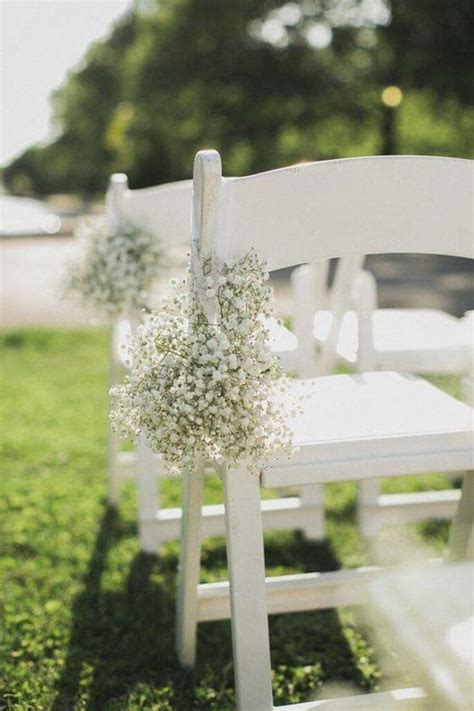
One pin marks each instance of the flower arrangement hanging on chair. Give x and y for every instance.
(116, 269)
(201, 386)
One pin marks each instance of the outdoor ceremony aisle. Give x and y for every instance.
(88, 620)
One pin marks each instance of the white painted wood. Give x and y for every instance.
(320, 271)
(327, 209)
(305, 290)
(468, 381)
(416, 340)
(461, 542)
(125, 330)
(409, 462)
(367, 506)
(241, 493)
(364, 298)
(285, 345)
(166, 211)
(127, 463)
(207, 186)
(468, 389)
(400, 509)
(407, 339)
(352, 427)
(114, 199)
(293, 593)
(312, 499)
(147, 495)
(113, 442)
(408, 699)
(374, 417)
(118, 187)
(282, 514)
(368, 492)
(245, 559)
(189, 566)
(339, 301)
(427, 616)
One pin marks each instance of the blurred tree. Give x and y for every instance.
(427, 45)
(266, 82)
(244, 78)
(79, 158)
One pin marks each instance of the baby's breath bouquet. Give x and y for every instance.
(201, 386)
(116, 269)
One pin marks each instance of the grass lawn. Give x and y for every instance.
(88, 621)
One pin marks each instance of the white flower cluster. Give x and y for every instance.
(201, 388)
(116, 269)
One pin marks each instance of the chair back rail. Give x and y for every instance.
(336, 208)
(163, 209)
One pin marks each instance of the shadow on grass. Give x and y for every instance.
(308, 649)
(123, 641)
(117, 638)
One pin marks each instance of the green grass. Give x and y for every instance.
(88, 621)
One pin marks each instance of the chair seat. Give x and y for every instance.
(282, 340)
(420, 340)
(372, 425)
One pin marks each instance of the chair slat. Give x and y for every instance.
(373, 205)
(163, 209)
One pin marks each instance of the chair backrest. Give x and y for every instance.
(163, 209)
(337, 208)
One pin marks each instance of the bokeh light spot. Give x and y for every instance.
(392, 96)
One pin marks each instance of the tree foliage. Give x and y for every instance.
(263, 81)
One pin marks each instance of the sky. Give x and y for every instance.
(40, 41)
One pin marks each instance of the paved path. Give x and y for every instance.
(32, 269)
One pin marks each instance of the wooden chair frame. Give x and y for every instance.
(166, 211)
(355, 288)
(330, 209)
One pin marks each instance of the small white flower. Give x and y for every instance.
(195, 388)
(116, 271)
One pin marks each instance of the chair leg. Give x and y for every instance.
(147, 486)
(367, 507)
(189, 566)
(249, 618)
(312, 497)
(113, 473)
(461, 540)
(467, 385)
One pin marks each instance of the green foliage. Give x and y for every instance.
(429, 46)
(265, 82)
(429, 126)
(88, 621)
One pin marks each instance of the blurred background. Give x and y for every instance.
(92, 87)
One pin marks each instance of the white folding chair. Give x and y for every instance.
(433, 641)
(348, 327)
(353, 427)
(364, 336)
(165, 210)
